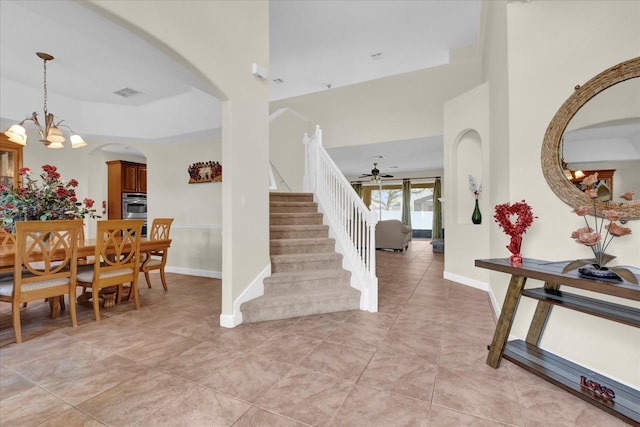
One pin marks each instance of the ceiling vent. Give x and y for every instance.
(127, 92)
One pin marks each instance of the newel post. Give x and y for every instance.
(311, 160)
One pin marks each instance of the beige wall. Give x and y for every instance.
(221, 40)
(197, 228)
(196, 208)
(286, 150)
(394, 108)
(466, 148)
(547, 55)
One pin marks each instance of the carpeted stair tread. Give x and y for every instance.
(298, 231)
(291, 197)
(299, 227)
(306, 296)
(292, 204)
(299, 208)
(295, 214)
(296, 276)
(302, 242)
(308, 245)
(296, 218)
(300, 281)
(305, 262)
(306, 257)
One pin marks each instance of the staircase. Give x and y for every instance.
(306, 272)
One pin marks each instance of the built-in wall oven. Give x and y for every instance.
(134, 206)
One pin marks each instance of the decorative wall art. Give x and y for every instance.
(205, 172)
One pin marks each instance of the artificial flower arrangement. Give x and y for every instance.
(524, 218)
(592, 237)
(54, 199)
(475, 189)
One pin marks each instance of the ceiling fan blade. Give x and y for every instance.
(365, 175)
(384, 175)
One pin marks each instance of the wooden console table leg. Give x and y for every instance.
(500, 336)
(540, 317)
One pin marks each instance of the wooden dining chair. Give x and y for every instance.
(117, 260)
(85, 260)
(44, 267)
(156, 260)
(6, 238)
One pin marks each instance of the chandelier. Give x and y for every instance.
(51, 136)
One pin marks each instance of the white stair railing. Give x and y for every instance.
(350, 222)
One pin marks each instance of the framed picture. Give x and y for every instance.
(210, 171)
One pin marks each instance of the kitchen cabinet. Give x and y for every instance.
(123, 177)
(132, 177)
(10, 161)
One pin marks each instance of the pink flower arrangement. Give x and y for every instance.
(599, 237)
(54, 199)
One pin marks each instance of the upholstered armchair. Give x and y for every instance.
(392, 234)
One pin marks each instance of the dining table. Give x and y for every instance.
(86, 250)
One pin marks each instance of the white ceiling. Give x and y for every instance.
(313, 44)
(318, 43)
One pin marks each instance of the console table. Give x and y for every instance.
(607, 394)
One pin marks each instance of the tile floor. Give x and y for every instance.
(418, 362)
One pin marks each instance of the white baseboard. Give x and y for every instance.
(228, 321)
(194, 272)
(463, 280)
(254, 290)
(466, 281)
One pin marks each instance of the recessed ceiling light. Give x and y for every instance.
(278, 81)
(378, 157)
(393, 167)
(376, 56)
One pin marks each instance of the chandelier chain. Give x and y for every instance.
(45, 87)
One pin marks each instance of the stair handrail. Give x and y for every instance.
(350, 222)
(273, 185)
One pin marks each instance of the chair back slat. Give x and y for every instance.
(156, 260)
(44, 251)
(118, 246)
(160, 229)
(45, 248)
(6, 240)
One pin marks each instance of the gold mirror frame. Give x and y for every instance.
(551, 167)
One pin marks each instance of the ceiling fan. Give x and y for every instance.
(375, 173)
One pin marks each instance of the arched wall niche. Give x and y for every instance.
(468, 162)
